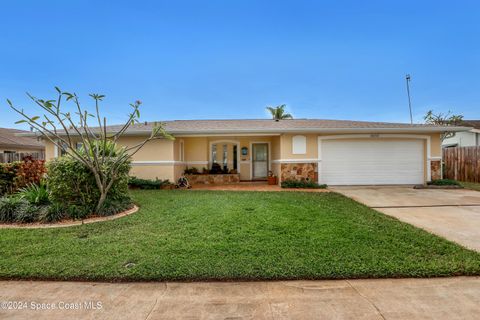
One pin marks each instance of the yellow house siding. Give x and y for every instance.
(276, 152)
(286, 147)
(49, 150)
(155, 150)
(436, 145)
(153, 171)
(195, 152)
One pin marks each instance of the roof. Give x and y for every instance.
(272, 126)
(471, 123)
(265, 126)
(10, 138)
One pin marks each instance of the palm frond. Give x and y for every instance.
(278, 112)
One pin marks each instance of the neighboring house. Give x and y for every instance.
(10, 142)
(329, 151)
(469, 138)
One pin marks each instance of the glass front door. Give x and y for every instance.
(260, 160)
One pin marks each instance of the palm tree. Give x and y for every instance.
(278, 112)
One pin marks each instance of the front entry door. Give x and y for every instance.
(260, 160)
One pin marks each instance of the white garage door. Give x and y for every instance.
(351, 162)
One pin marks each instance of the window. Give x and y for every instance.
(63, 148)
(225, 156)
(299, 145)
(59, 149)
(214, 153)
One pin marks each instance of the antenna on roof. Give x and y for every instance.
(408, 79)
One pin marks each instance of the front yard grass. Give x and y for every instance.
(200, 235)
(470, 185)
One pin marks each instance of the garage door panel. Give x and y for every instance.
(371, 162)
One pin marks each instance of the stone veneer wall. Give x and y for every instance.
(213, 178)
(436, 169)
(298, 171)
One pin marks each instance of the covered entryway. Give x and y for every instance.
(260, 161)
(371, 161)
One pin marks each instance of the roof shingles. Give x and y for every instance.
(204, 126)
(9, 138)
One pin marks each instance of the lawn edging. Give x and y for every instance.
(69, 223)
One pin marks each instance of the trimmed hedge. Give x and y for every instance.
(137, 183)
(444, 182)
(303, 184)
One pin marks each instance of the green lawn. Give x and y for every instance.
(471, 185)
(192, 235)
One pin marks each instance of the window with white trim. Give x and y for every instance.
(299, 144)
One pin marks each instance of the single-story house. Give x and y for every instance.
(470, 138)
(13, 141)
(334, 152)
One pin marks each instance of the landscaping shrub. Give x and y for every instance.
(302, 184)
(30, 171)
(36, 194)
(77, 212)
(8, 173)
(71, 183)
(216, 168)
(191, 171)
(28, 213)
(138, 183)
(53, 213)
(444, 182)
(111, 207)
(98, 147)
(9, 207)
(18, 209)
(19, 174)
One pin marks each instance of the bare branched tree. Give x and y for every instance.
(441, 119)
(66, 131)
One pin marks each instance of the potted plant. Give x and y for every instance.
(272, 180)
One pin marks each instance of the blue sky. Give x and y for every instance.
(230, 59)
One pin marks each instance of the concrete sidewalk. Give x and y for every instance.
(440, 298)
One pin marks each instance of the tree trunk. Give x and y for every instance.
(101, 200)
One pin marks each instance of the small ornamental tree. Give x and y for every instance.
(441, 119)
(66, 130)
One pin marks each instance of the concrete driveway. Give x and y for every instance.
(441, 298)
(452, 214)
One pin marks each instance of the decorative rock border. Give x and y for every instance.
(223, 178)
(69, 223)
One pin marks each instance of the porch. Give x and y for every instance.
(227, 160)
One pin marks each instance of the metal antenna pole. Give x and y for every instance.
(407, 79)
